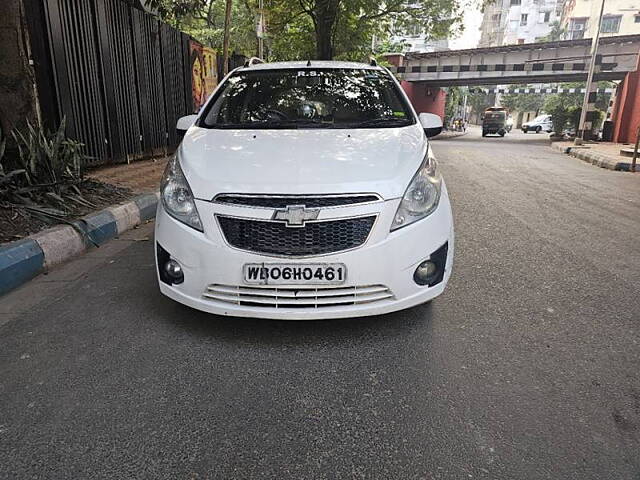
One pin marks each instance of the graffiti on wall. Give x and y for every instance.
(204, 77)
(211, 70)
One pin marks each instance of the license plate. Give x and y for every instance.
(294, 274)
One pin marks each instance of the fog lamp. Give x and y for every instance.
(425, 273)
(174, 271)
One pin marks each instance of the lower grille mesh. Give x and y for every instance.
(314, 238)
(296, 297)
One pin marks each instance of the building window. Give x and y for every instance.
(515, 2)
(523, 19)
(577, 26)
(611, 24)
(547, 17)
(520, 41)
(637, 18)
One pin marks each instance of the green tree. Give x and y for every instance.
(335, 21)
(321, 29)
(479, 100)
(204, 20)
(557, 32)
(568, 106)
(454, 100)
(560, 108)
(523, 102)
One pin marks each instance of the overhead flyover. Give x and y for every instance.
(564, 61)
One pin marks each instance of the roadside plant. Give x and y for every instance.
(559, 107)
(44, 175)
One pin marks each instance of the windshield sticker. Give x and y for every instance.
(399, 114)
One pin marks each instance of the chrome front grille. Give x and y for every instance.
(314, 238)
(282, 201)
(297, 297)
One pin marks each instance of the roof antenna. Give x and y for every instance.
(308, 63)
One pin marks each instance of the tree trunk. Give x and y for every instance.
(17, 95)
(325, 14)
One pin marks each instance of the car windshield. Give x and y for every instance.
(541, 118)
(307, 98)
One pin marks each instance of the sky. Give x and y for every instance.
(471, 35)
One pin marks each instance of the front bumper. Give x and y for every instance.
(386, 259)
(493, 128)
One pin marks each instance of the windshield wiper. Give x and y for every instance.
(303, 122)
(383, 122)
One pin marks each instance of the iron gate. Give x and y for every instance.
(121, 77)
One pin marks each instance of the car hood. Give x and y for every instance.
(309, 161)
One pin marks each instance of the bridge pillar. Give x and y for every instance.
(592, 113)
(423, 98)
(426, 99)
(626, 112)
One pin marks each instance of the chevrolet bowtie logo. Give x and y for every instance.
(296, 215)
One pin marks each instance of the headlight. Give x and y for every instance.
(177, 198)
(422, 195)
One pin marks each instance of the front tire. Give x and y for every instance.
(538, 129)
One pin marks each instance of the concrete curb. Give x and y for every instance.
(599, 159)
(24, 259)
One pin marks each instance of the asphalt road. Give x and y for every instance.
(528, 367)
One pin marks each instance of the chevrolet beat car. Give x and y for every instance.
(305, 190)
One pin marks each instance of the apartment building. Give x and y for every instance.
(414, 40)
(509, 22)
(620, 17)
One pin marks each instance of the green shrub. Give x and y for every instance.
(42, 177)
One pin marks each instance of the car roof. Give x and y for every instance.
(312, 64)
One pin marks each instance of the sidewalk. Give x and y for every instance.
(143, 176)
(25, 259)
(604, 154)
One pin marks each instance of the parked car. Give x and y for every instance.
(305, 190)
(494, 121)
(538, 124)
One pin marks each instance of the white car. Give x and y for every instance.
(539, 124)
(305, 190)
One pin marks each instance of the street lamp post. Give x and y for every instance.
(588, 87)
(261, 29)
(225, 41)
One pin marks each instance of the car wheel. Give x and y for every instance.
(524, 130)
(502, 133)
(484, 134)
(538, 129)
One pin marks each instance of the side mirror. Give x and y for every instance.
(184, 123)
(431, 123)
